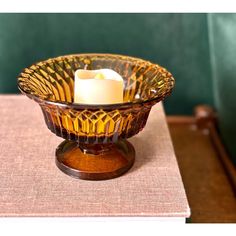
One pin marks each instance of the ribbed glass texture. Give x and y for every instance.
(51, 84)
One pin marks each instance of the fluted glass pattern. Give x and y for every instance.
(51, 84)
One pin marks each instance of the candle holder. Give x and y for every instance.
(95, 146)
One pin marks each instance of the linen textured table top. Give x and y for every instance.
(32, 185)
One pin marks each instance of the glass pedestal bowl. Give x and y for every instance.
(95, 146)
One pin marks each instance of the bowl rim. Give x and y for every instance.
(80, 106)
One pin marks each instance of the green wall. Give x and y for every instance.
(222, 32)
(177, 41)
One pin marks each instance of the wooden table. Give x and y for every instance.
(32, 185)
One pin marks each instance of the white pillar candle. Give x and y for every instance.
(104, 86)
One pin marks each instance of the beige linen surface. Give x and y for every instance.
(32, 185)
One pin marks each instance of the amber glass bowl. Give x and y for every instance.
(95, 145)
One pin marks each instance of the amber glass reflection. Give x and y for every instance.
(51, 84)
(95, 147)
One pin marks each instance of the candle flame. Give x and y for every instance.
(99, 76)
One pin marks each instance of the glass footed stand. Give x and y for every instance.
(95, 146)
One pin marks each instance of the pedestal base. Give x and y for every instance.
(95, 161)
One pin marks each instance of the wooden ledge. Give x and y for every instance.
(208, 173)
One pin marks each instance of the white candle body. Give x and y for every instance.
(102, 86)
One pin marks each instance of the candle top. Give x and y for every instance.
(100, 74)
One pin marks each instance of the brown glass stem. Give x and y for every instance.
(95, 161)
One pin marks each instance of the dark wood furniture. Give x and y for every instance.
(208, 173)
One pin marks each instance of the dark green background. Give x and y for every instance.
(199, 50)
